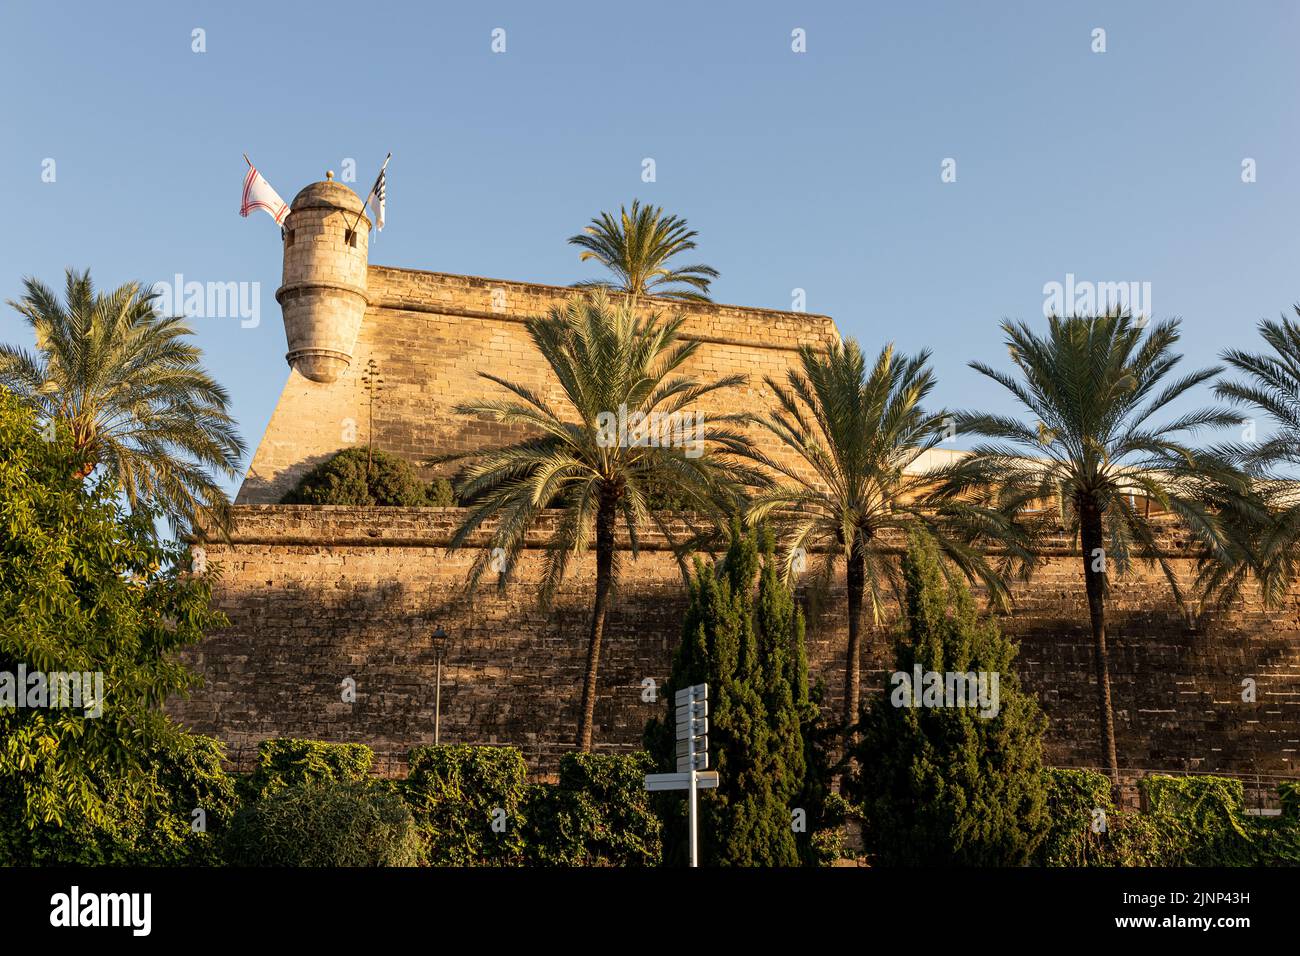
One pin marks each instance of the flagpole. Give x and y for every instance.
(249, 161)
(371, 193)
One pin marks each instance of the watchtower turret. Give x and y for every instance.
(323, 296)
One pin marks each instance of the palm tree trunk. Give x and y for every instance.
(604, 580)
(81, 441)
(852, 672)
(1090, 533)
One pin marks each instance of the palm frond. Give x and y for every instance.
(610, 365)
(130, 385)
(636, 247)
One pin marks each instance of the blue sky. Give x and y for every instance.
(818, 170)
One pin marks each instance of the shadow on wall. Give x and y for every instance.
(1177, 692)
(511, 674)
(259, 490)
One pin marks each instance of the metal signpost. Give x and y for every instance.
(692, 754)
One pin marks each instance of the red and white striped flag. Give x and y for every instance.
(258, 194)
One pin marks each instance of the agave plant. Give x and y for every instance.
(856, 437)
(1092, 388)
(130, 389)
(636, 247)
(614, 370)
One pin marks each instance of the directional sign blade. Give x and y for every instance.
(684, 746)
(692, 728)
(694, 692)
(701, 762)
(708, 780)
(699, 708)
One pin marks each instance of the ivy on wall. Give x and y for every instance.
(1188, 821)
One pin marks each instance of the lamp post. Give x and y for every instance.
(439, 639)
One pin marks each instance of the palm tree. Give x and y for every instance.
(855, 436)
(1092, 386)
(1272, 385)
(611, 367)
(129, 388)
(636, 247)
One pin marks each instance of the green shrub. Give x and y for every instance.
(352, 823)
(347, 479)
(1078, 836)
(1133, 839)
(172, 813)
(286, 762)
(1073, 799)
(469, 804)
(826, 836)
(1189, 821)
(440, 494)
(1289, 794)
(1200, 819)
(945, 785)
(191, 778)
(1276, 841)
(599, 815)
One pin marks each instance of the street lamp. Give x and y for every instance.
(439, 639)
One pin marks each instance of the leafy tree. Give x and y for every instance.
(855, 437)
(607, 362)
(636, 247)
(747, 644)
(357, 477)
(84, 588)
(129, 389)
(174, 814)
(1092, 386)
(950, 784)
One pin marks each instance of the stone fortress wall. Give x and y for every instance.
(319, 594)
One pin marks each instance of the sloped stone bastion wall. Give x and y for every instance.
(431, 334)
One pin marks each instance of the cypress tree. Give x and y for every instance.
(746, 642)
(941, 784)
